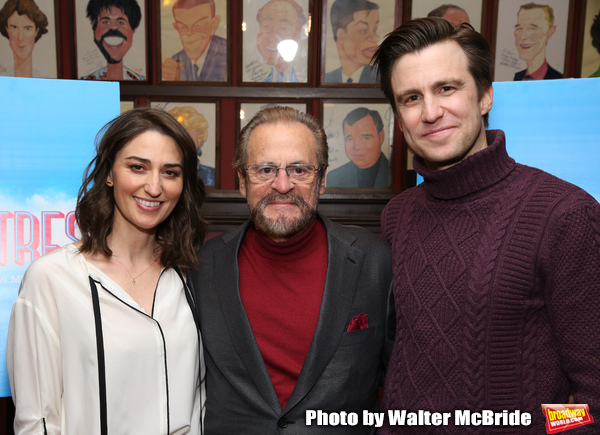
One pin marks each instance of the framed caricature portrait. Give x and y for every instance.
(111, 43)
(248, 110)
(28, 41)
(126, 105)
(455, 11)
(193, 41)
(360, 137)
(351, 32)
(200, 120)
(590, 53)
(531, 40)
(275, 35)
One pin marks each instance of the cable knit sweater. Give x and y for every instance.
(496, 285)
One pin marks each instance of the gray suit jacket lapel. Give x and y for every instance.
(240, 332)
(344, 265)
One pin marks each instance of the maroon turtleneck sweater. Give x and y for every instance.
(281, 286)
(497, 292)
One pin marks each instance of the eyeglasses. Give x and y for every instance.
(297, 173)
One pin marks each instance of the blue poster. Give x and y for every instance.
(48, 131)
(552, 125)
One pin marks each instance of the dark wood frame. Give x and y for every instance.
(217, 128)
(309, 57)
(569, 34)
(584, 31)
(389, 130)
(145, 28)
(323, 39)
(55, 35)
(482, 24)
(158, 52)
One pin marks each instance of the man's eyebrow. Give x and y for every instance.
(438, 84)
(449, 82)
(406, 93)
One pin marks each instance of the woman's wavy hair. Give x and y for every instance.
(181, 235)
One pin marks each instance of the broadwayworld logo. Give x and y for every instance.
(563, 417)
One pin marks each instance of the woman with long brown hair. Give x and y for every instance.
(102, 337)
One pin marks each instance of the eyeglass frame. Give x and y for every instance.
(315, 170)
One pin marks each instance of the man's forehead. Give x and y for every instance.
(112, 12)
(365, 15)
(273, 136)
(535, 14)
(193, 14)
(279, 9)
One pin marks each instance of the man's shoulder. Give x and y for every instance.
(180, 55)
(519, 75)
(552, 74)
(217, 47)
(96, 75)
(221, 240)
(369, 75)
(356, 236)
(550, 189)
(341, 177)
(334, 76)
(129, 74)
(218, 41)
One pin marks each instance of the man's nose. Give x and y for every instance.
(374, 37)
(281, 182)
(431, 110)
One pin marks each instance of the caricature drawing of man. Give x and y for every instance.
(204, 55)
(368, 166)
(354, 25)
(279, 21)
(455, 14)
(197, 126)
(23, 23)
(113, 23)
(535, 26)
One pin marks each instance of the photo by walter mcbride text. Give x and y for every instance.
(402, 417)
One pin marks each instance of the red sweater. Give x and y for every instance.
(281, 286)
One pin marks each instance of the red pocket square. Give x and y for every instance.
(360, 321)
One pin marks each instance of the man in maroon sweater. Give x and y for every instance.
(496, 265)
(293, 308)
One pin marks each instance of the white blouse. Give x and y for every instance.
(154, 367)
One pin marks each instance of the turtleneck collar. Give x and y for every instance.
(476, 172)
(298, 246)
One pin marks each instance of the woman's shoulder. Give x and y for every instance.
(55, 263)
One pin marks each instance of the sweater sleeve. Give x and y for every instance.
(573, 297)
(34, 359)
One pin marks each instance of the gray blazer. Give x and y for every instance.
(342, 370)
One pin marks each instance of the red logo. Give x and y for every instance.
(563, 417)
